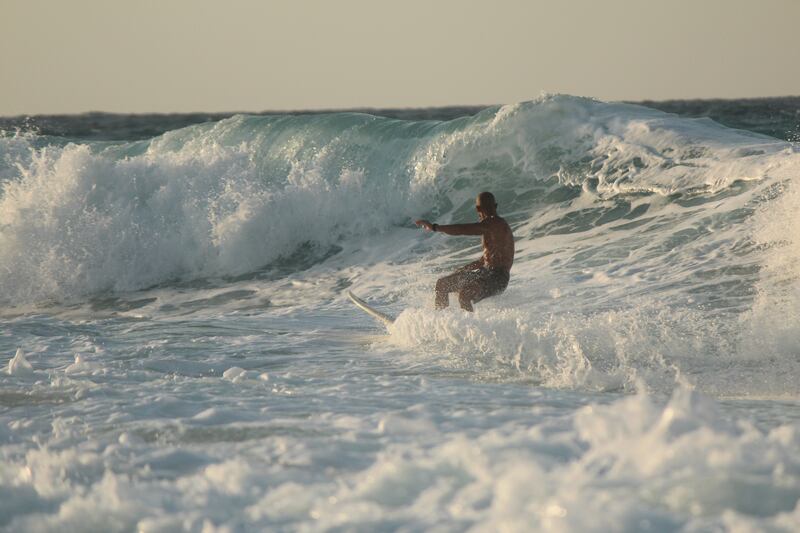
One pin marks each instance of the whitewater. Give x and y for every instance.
(179, 354)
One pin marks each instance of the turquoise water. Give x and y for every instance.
(182, 355)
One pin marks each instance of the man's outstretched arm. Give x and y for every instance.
(476, 228)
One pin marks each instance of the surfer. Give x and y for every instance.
(488, 275)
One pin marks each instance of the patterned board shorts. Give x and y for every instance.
(483, 282)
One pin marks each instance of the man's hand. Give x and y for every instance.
(424, 224)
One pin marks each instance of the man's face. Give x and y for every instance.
(479, 209)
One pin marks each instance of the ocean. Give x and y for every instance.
(179, 354)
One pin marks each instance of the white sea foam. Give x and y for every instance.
(630, 465)
(19, 365)
(82, 366)
(773, 323)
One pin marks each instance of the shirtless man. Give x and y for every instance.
(488, 275)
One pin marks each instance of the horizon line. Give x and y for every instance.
(324, 110)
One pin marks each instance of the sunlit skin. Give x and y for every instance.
(498, 251)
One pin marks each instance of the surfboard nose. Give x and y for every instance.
(364, 306)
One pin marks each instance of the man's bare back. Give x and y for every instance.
(498, 243)
(488, 275)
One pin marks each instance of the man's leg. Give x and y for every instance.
(446, 285)
(473, 290)
(480, 286)
(465, 299)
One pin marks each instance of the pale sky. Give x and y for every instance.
(250, 55)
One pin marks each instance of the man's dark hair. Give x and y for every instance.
(486, 199)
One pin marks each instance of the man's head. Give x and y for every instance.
(486, 205)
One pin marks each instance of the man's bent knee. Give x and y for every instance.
(465, 300)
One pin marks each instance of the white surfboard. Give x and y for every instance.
(361, 304)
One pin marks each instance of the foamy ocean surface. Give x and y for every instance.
(178, 352)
